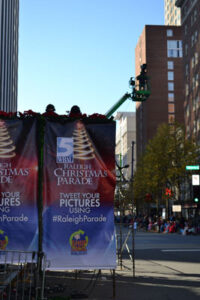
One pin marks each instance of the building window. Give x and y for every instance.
(192, 40)
(170, 75)
(186, 49)
(192, 62)
(195, 36)
(192, 20)
(186, 70)
(194, 106)
(174, 48)
(187, 111)
(193, 83)
(194, 126)
(197, 80)
(171, 108)
(195, 15)
(169, 32)
(198, 124)
(188, 131)
(170, 86)
(171, 118)
(186, 89)
(196, 58)
(186, 29)
(171, 97)
(195, 103)
(170, 65)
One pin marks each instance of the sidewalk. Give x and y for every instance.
(154, 280)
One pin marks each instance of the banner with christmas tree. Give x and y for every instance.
(79, 184)
(18, 184)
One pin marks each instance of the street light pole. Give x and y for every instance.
(133, 237)
(122, 178)
(132, 158)
(120, 203)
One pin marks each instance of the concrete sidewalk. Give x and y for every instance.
(154, 280)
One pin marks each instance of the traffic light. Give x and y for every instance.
(148, 198)
(196, 193)
(168, 192)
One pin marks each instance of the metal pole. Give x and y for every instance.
(120, 205)
(132, 158)
(133, 233)
(114, 284)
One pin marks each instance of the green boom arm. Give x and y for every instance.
(117, 104)
(138, 95)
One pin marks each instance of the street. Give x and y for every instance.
(168, 247)
(174, 249)
(167, 266)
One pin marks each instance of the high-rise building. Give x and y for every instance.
(172, 13)
(9, 25)
(190, 21)
(160, 47)
(125, 142)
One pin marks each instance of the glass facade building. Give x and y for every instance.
(9, 27)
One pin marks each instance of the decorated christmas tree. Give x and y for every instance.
(83, 148)
(6, 144)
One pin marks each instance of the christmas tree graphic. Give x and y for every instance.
(6, 144)
(83, 148)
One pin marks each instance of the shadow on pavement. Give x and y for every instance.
(99, 286)
(160, 274)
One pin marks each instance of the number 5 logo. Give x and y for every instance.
(65, 146)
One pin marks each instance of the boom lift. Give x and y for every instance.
(140, 91)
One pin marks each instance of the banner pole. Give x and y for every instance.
(41, 124)
(133, 225)
(114, 284)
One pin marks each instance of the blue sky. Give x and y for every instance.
(80, 51)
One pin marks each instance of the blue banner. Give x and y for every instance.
(79, 184)
(18, 184)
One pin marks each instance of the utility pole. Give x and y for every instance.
(132, 159)
(120, 203)
(122, 179)
(133, 233)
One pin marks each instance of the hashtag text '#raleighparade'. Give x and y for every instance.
(78, 219)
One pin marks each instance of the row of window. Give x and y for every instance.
(196, 122)
(171, 105)
(195, 81)
(195, 129)
(172, 19)
(195, 59)
(193, 20)
(194, 62)
(172, 13)
(174, 48)
(194, 39)
(195, 106)
(187, 6)
(195, 84)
